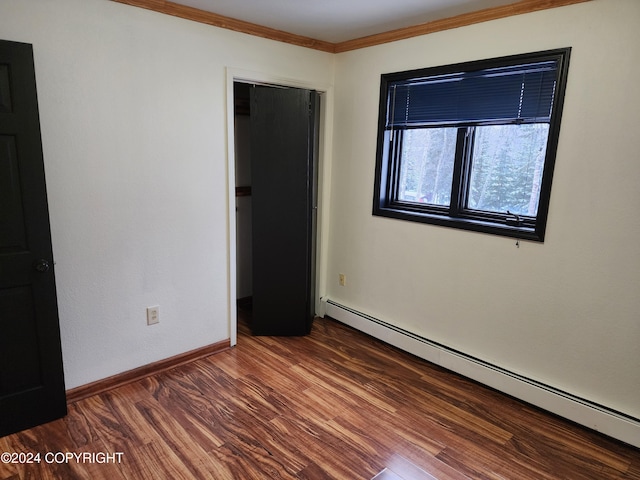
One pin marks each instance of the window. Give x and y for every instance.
(472, 145)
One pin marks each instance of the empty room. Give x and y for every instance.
(320, 240)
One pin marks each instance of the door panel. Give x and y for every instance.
(283, 141)
(12, 234)
(5, 93)
(19, 340)
(31, 375)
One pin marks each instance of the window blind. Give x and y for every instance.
(520, 93)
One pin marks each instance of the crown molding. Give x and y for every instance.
(479, 16)
(209, 18)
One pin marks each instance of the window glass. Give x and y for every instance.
(507, 167)
(426, 168)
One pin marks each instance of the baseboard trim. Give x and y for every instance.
(109, 383)
(579, 410)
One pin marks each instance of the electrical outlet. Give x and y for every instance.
(342, 279)
(153, 315)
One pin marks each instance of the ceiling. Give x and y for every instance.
(340, 20)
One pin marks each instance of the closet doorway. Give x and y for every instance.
(276, 166)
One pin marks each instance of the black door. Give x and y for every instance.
(284, 143)
(31, 377)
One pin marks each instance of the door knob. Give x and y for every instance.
(41, 266)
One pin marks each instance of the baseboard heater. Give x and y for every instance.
(584, 412)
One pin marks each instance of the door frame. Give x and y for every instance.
(324, 174)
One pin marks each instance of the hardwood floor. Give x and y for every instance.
(333, 405)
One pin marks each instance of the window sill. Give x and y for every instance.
(462, 223)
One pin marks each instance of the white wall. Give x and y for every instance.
(565, 312)
(133, 116)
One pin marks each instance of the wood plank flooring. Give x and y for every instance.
(336, 404)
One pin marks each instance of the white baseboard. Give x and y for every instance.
(581, 411)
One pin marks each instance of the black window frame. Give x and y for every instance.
(457, 215)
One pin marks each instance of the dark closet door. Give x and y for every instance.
(284, 140)
(31, 376)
